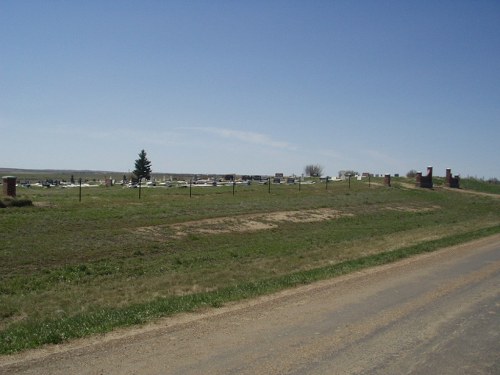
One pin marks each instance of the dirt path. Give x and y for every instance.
(434, 313)
(491, 195)
(464, 191)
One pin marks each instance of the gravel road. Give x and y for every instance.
(436, 313)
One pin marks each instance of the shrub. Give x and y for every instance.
(15, 202)
(22, 202)
(411, 173)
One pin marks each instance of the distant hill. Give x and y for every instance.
(52, 171)
(57, 173)
(65, 174)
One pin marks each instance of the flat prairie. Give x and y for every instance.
(71, 268)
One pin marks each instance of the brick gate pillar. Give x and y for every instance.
(9, 185)
(387, 180)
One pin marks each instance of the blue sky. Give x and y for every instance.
(251, 87)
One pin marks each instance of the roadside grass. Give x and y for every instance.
(55, 331)
(70, 269)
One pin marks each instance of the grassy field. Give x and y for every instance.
(70, 269)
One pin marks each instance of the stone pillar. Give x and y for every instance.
(429, 172)
(9, 185)
(418, 179)
(452, 182)
(428, 180)
(448, 176)
(387, 179)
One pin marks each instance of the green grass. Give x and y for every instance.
(69, 269)
(478, 185)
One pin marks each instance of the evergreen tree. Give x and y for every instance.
(142, 166)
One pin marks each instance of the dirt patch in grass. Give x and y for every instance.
(239, 223)
(305, 216)
(44, 204)
(255, 222)
(413, 209)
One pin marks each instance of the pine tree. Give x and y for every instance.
(142, 166)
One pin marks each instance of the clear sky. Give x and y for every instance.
(251, 87)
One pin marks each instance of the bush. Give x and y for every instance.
(411, 173)
(23, 202)
(313, 170)
(15, 202)
(494, 181)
